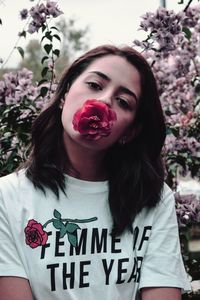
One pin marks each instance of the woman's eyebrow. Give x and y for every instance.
(122, 88)
(102, 75)
(129, 92)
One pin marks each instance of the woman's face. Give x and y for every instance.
(114, 81)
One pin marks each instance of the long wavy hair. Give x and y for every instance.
(135, 170)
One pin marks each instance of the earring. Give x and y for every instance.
(122, 141)
(68, 87)
(61, 104)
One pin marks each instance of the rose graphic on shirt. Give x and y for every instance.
(94, 120)
(35, 234)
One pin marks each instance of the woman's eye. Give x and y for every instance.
(94, 86)
(123, 103)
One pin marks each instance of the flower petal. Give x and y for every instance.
(95, 118)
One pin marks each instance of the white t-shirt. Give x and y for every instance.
(65, 250)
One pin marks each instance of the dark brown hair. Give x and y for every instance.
(135, 170)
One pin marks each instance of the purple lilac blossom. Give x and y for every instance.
(40, 13)
(164, 29)
(187, 209)
(15, 87)
(175, 62)
(24, 14)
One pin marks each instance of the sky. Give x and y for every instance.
(109, 21)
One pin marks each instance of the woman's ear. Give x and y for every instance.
(61, 103)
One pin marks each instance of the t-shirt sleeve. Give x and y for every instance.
(10, 262)
(162, 264)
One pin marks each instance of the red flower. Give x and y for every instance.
(35, 235)
(94, 120)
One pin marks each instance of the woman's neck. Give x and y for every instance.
(84, 163)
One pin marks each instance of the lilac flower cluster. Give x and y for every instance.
(187, 144)
(175, 60)
(187, 209)
(167, 30)
(24, 14)
(182, 145)
(15, 87)
(192, 18)
(20, 102)
(39, 15)
(164, 31)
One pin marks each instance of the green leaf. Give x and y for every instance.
(57, 224)
(48, 48)
(43, 59)
(168, 131)
(56, 214)
(44, 71)
(71, 227)
(72, 239)
(57, 37)
(48, 36)
(43, 38)
(187, 32)
(197, 101)
(48, 33)
(63, 231)
(43, 28)
(43, 91)
(53, 27)
(23, 33)
(56, 52)
(21, 51)
(42, 81)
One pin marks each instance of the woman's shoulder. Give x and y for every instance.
(13, 181)
(165, 209)
(166, 205)
(167, 195)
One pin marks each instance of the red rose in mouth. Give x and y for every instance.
(94, 120)
(35, 235)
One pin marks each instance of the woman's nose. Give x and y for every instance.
(107, 99)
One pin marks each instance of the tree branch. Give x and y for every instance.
(187, 6)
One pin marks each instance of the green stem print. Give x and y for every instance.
(67, 226)
(37, 236)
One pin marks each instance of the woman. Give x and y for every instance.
(89, 215)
